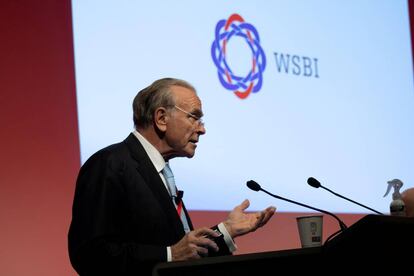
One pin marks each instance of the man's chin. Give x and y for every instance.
(190, 153)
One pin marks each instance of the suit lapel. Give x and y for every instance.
(147, 170)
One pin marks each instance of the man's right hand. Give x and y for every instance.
(194, 245)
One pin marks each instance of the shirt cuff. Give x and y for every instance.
(227, 238)
(169, 255)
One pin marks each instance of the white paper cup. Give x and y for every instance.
(310, 230)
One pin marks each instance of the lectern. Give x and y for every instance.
(374, 243)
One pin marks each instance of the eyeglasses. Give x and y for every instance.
(197, 120)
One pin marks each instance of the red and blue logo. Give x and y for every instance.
(242, 86)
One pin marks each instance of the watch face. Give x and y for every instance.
(218, 232)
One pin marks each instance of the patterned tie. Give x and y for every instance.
(169, 177)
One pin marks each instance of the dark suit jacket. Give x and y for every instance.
(123, 217)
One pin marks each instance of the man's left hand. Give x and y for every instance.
(239, 222)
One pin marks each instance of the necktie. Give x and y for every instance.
(169, 178)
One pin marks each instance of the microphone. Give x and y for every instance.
(253, 185)
(179, 197)
(316, 184)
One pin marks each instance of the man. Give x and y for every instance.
(127, 216)
(408, 198)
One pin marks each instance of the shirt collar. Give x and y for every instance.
(154, 155)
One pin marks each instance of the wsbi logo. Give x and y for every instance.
(244, 85)
(235, 26)
(296, 65)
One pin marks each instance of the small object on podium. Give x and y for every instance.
(310, 230)
(397, 206)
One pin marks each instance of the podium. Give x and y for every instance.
(374, 242)
(384, 238)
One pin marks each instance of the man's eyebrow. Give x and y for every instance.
(197, 112)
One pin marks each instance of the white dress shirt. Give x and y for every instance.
(159, 164)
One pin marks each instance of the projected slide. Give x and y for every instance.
(289, 90)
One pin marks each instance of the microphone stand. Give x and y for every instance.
(342, 225)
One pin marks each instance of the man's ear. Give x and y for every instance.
(161, 118)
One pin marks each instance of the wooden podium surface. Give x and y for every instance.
(374, 242)
(246, 264)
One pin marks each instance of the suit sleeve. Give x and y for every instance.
(222, 245)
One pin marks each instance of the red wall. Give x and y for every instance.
(411, 12)
(39, 154)
(279, 234)
(39, 150)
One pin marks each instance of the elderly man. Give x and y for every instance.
(127, 212)
(408, 198)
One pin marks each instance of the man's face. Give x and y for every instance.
(183, 128)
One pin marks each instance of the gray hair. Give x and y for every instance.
(156, 95)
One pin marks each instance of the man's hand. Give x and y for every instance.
(194, 245)
(239, 222)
